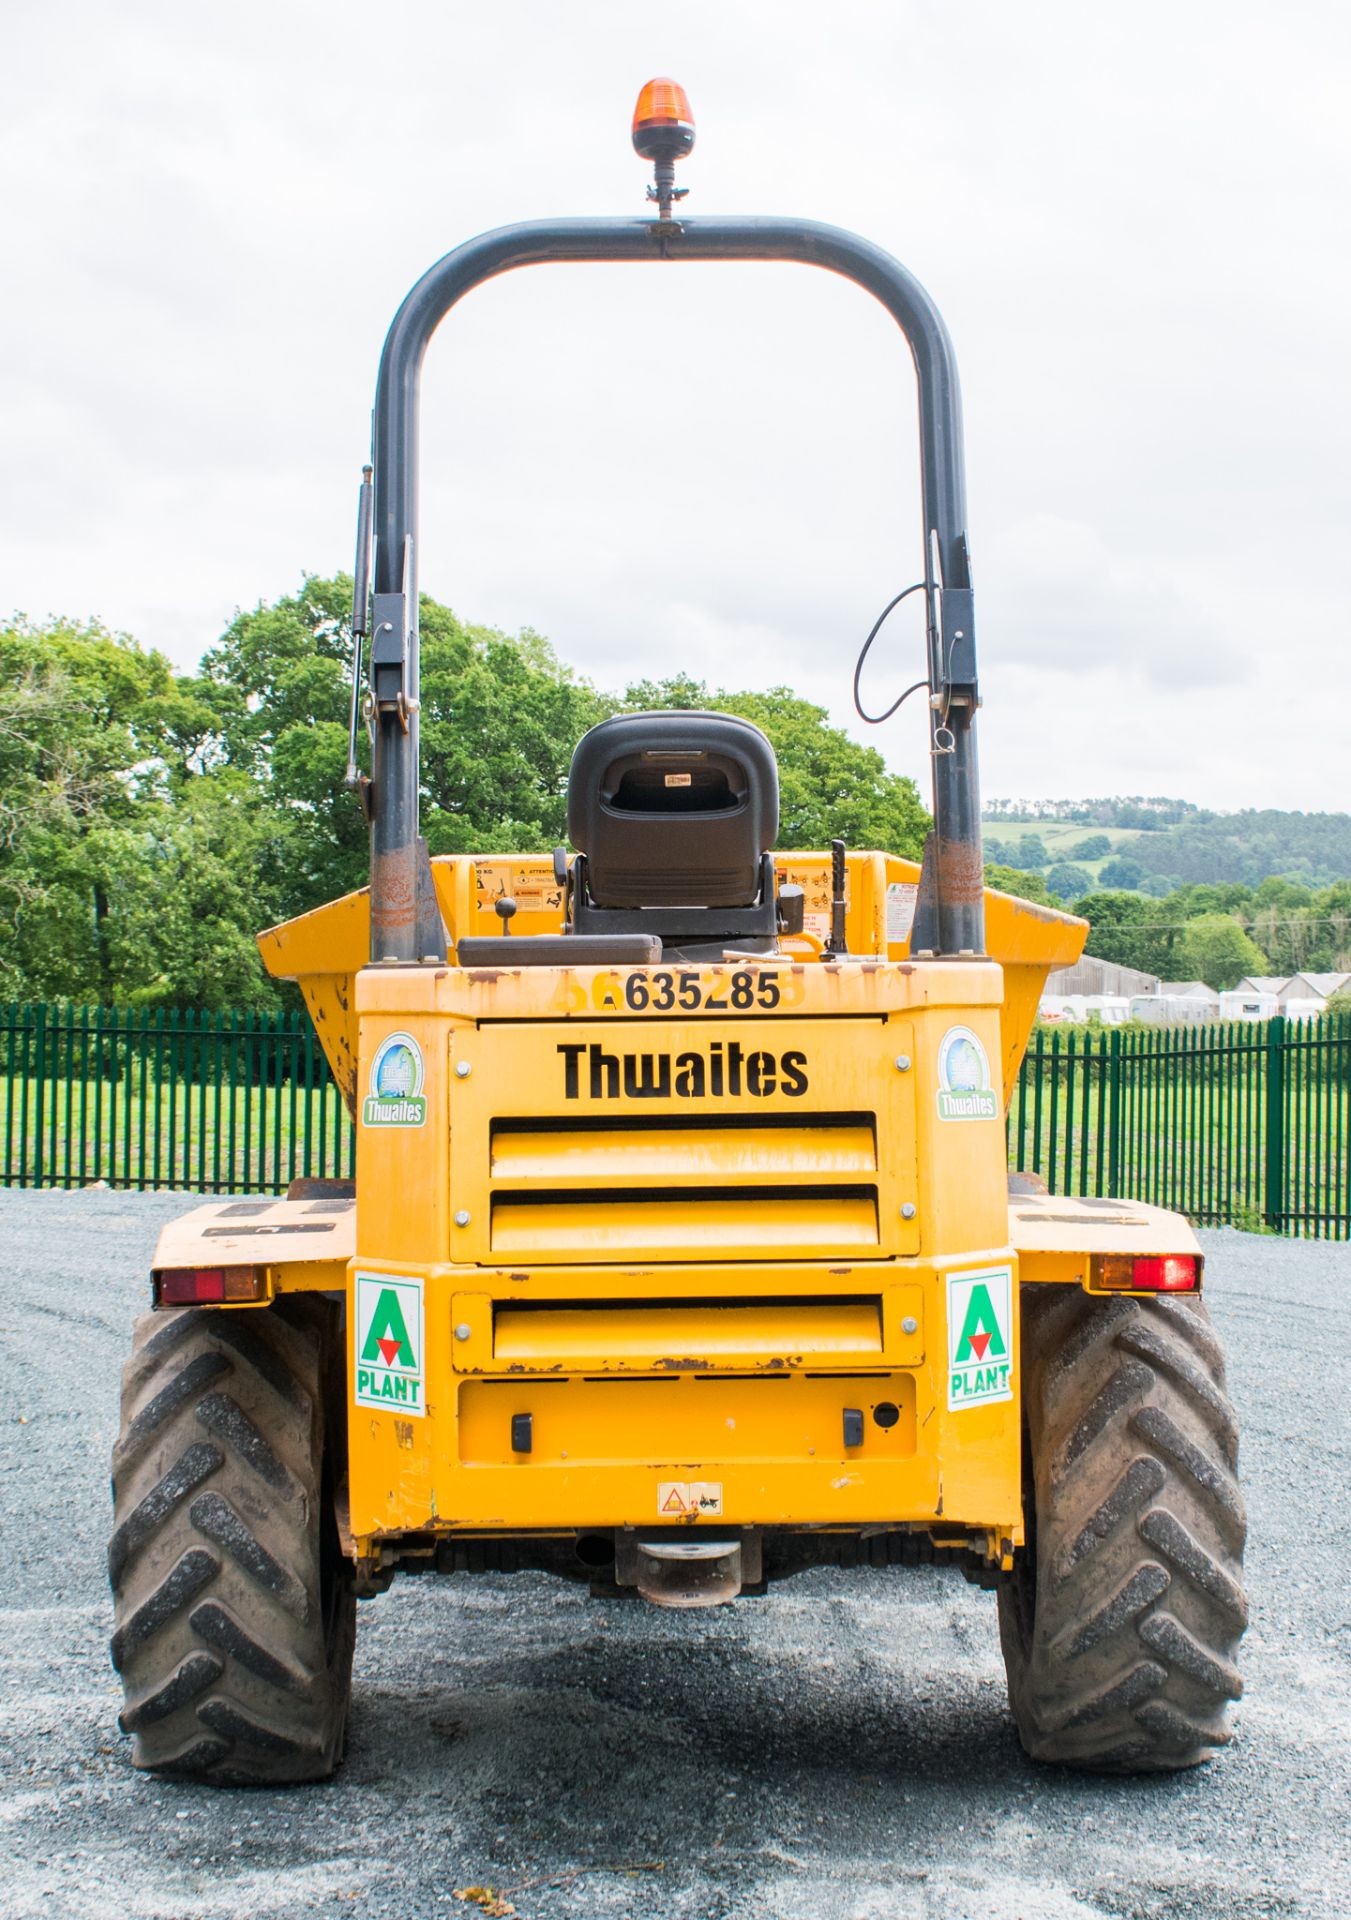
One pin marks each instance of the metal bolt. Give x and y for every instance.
(903, 1062)
(462, 1217)
(464, 1331)
(910, 1324)
(463, 1069)
(908, 1210)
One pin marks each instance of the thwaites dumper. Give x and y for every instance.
(682, 1253)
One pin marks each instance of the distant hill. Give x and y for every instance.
(1155, 845)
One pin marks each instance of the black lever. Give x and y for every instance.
(505, 908)
(837, 903)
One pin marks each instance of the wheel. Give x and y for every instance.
(233, 1605)
(1022, 1184)
(1121, 1619)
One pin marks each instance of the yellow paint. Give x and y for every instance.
(682, 1216)
(324, 950)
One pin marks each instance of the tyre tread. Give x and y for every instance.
(1121, 1624)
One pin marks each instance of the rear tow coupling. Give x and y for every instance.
(687, 1570)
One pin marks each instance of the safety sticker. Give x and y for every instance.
(395, 1097)
(677, 1499)
(980, 1337)
(964, 1090)
(901, 898)
(389, 1344)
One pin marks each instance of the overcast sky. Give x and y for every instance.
(1135, 220)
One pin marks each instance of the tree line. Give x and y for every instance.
(152, 822)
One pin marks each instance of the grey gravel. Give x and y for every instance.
(841, 1750)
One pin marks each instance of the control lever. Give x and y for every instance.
(837, 942)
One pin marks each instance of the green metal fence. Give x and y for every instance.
(1232, 1125)
(1240, 1125)
(219, 1103)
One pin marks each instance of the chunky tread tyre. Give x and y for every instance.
(1121, 1620)
(233, 1607)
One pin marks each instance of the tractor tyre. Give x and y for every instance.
(1121, 1619)
(234, 1609)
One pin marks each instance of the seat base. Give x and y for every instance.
(618, 949)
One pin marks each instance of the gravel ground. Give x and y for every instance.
(839, 1751)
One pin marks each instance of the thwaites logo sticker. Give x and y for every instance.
(395, 1098)
(980, 1337)
(389, 1344)
(964, 1090)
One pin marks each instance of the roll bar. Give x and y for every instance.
(951, 917)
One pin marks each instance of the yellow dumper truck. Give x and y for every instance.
(682, 1253)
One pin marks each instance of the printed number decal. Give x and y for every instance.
(661, 992)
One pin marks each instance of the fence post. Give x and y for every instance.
(1114, 1111)
(40, 1092)
(1273, 1200)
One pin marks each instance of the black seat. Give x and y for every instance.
(673, 809)
(672, 816)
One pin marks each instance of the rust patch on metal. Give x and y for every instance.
(961, 878)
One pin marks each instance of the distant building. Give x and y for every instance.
(1241, 1003)
(1091, 975)
(1313, 986)
(1304, 996)
(1191, 990)
(1259, 983)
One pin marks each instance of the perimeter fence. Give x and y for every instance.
(1245, 1125)
(1240, 1125)
(212, 1102)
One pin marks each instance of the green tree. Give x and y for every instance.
(89, 771)
(1028, 851)
(1132, 931)
(500, 717)
(1092, 847)
(1025, 886)
(1121, 873)
(1214, 948)
(1065, 881)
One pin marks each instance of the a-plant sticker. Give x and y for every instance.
(389, 1342)
(395, 1098)
(980, 1337)
(964, 1090)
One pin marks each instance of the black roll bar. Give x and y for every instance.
(953, 868)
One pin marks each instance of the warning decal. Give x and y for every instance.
(980, 1337)
(389, 1341)
(677, 1499)
(901, 898)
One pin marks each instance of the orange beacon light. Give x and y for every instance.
(663, 126)
(663, 132)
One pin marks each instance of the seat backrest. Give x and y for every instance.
(673, 809)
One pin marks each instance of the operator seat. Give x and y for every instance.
(673, 815)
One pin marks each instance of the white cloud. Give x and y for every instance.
(1125, 216)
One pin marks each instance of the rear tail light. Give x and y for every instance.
(1146, 1272)
(208, 1286)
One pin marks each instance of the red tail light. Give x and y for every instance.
(208, 1286)
(1146, 1272)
